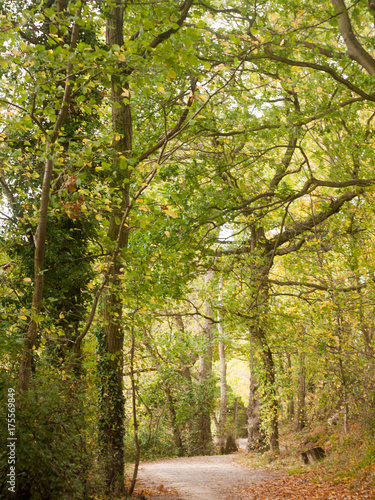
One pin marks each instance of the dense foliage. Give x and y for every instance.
(182, 184)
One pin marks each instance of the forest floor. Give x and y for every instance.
(239, 477)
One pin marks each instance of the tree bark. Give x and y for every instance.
(367, 331)
(256, 440)
(36, 305)
(41, 232)
(355, 49)
(111, 429)
(301, 396)
(230, 441)
(175, 427)
(273, 405)
(260, 302)
(221, 428)
(202, 429)
(290, 403)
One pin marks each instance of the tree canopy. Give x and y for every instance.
(181, 184)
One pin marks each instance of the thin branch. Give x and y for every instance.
(317, 286)
(319, 67)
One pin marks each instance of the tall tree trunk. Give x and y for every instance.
(111, 419)
(301, 396)
(202, 427)
(36, 305)
(175, 427)
(273, 401)
(260, 271)
(256, 440)
(221, 428)
(367, 331)
(290, 403)
(344, 382)
(231, 436)
(41, 232)
(187, 360)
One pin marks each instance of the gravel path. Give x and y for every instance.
(197, 478)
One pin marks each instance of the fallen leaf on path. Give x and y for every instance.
(289, 488)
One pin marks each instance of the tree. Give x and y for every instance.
(128, 157)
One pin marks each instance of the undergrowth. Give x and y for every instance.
(350, 457)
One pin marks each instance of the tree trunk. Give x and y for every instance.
(230, 441)
(36, 305)
(41, 232)
(260, 271)
(290, 404)
(256, 440)
(221, 428)
(175, 427)
(273, 402)
(367, 331)
(256, 437)
(260, 306)
(235, 418)
(111, 429)
(301, 397)
(202, 428)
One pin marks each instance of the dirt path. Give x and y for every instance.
(197, 478)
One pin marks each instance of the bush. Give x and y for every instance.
(53, 449)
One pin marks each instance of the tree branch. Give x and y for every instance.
(313, 221)
(184, 9)
(318, 67)
(316, 286)
(355, 49)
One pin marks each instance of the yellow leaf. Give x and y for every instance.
(28, 280)
(23, 317)
(171, 213)
(161, 90)
(167, 233)
(172, 74)
(125, 93)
